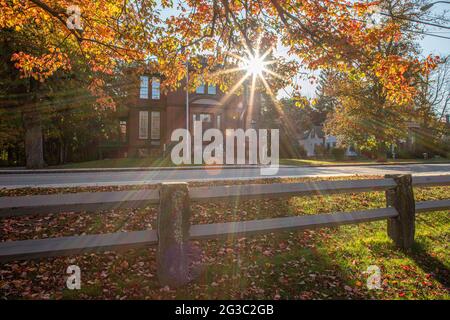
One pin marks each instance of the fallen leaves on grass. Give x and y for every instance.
(312, 264)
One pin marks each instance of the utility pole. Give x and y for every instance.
(187, 94)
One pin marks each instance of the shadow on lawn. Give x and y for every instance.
(264, 269)
(430, 264)
(263, 266)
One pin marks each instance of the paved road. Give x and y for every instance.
(71, 179)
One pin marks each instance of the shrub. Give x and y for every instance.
(290, 148)
(293, 151)
(338, 153)
(404, 154)
(301, 151)
(320, 151)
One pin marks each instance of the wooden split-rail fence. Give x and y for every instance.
(174, 231)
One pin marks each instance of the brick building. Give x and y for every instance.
(152, 116)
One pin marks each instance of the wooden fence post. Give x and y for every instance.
(401, 229)
(173, 234)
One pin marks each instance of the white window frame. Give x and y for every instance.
(156, 88)
(143, 125)
(123, 129)
(155, 130)
(205, 117)
(143, 92)
(219, 121)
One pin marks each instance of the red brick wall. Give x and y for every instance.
(172, 107)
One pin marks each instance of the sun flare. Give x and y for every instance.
(255, 65)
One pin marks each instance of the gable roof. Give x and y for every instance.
(315, 132)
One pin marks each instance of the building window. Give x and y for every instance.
(205, 117)
(143, 124)
(211, 89)
(156, 89)
(200, 89)
(155, 133)
(123, 130)
(219, 122)
(144, 88)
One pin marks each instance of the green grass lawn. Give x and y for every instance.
(315, 264)
(330, 162)
(119, 163)
(166, 162)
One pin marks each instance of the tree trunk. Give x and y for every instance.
(10, 156)
(381, 153)
(61, 151)
(34, 150)
(66, 152)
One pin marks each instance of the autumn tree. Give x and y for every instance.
(433, 98)
(429, 109)
(11, 135)
(321, 34)
(325, 102)
(42, 40)
(375, 61)
(290, 120)
(373, 109)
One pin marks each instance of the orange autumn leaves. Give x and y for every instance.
(323, 34)
(353, 44)
(394, 72)
(40, 67)
(112, 31)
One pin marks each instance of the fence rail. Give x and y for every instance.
(104, 201)
(173, 216)
(77, 202)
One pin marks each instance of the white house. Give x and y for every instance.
(311, 138)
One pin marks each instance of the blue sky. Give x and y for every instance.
(436, 45)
